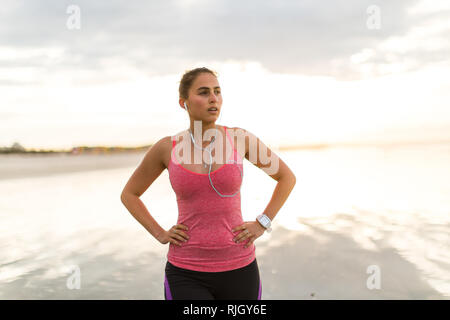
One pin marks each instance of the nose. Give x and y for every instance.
(213, 97)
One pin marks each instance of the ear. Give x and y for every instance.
(182, 103)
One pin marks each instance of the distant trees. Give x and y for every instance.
(18, 148)
(15, 148)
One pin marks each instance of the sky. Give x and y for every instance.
(291, 71)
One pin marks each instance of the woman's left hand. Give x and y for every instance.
(251, 230)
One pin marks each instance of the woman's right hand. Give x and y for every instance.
(175, 235)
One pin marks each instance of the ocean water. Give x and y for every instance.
(352, 211)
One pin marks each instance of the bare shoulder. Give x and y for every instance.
(163, 143)
(238, 132)
(156, 155)
(149, 169)
(165, 148)
(242, 138)
(260, 155)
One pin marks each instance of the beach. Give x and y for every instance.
(353, 227)
(34, 165)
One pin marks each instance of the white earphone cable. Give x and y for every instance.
(210, 164)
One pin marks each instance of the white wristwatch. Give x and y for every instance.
(264, 221)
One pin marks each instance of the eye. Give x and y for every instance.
(204, 92)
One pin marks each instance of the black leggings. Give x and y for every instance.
(238, 284)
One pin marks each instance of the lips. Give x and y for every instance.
(212, 109)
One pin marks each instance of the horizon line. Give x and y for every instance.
(351, 144)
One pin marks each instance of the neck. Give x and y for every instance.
(195, 129)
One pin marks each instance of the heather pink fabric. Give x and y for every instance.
(209, 217)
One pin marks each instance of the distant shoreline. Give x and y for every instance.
(74, 151)
(381, 144)
(115, 150)
(33, 164)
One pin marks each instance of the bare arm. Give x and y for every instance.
(148, 170)
(264, 158)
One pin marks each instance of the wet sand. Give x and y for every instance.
(31, 165)
(318, 264)
(294, 266)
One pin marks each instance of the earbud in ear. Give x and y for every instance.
(185, 106)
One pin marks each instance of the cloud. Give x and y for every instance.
(166, 37)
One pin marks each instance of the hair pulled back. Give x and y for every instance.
(188, 78)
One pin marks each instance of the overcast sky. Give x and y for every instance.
(120, 70)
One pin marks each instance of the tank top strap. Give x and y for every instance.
(229, 138)
(172, 152)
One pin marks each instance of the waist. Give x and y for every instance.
(210, 227)
(210, 257)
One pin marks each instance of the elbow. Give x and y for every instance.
(290, 180)
(123, 197)
(293, 180)
(289, 177)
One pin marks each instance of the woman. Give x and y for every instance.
(211, 252)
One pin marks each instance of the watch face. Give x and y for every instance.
(265, 221)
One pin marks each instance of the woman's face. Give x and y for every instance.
(203, 94)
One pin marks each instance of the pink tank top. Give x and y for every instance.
(209, 217)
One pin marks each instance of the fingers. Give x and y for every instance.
(180, 235)
(242, 227)
(181, 226)
(176, 239)
(249, 243)
(177, 236)
(175, 242)
(242, 236)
